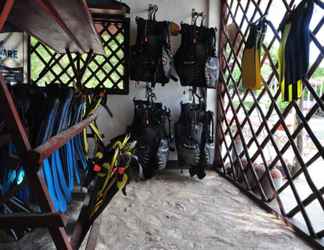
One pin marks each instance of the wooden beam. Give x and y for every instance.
(39, 190)
(31, 220)
(94, 234)
(13, 121)
(38, 23)
(52, 12)
(112, 8)
(5, 12)
(60, 24)
(75, 18)
(37, 155)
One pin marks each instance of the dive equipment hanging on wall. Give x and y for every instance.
(151, 129)
(194, 136)
(151, 56)
(196, 60)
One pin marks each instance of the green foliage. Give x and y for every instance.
(282, 105)
(108, 72)
(319, 73)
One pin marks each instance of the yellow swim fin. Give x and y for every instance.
(251, 72)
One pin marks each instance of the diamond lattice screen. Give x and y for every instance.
(109, 71)
(259, 132)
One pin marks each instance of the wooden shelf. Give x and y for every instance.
(31, 220)
(61, 24)
(76, 16)
(108, 8)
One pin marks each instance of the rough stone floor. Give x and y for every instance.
(174, 211)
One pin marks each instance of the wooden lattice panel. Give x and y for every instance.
(260, 131)
(109, 71)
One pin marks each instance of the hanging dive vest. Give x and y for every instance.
(195, 61)
(151, 57)
(149, 129)
(194, 138)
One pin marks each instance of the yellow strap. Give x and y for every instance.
(96, 131)
(99, 155)
(300, 88)
(122, 184)
(119, 147)
(109, 174)
(281, 60)
(85, 141)
(99, 201)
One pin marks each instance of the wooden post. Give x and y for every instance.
(220, 116)
(300, 137)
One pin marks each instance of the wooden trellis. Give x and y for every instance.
(237, 109)
(102, 72)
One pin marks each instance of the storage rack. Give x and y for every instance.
(53, 23)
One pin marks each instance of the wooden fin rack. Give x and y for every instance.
(59, 24)
(32, 160)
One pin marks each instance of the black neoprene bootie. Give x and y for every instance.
(201, 174)
(192, 171)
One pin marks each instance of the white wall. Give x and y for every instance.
(214, 21)
(122, 106)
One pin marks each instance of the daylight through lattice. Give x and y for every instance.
(108, 71)
(260, 134)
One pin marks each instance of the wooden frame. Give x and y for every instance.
(232, 160)
(100, 70)
(32, 160)
(61, 25)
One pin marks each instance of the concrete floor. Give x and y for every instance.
(173, 211)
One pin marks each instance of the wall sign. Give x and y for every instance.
(13, 57)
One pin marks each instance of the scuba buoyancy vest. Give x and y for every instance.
(194, 138)
(151, 57)
(151, 128)
(195, 55)
(251, 66)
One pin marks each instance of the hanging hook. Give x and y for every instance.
(149, 94)
(152, 11)
(263, 17)
(195, 15)
(203, 20)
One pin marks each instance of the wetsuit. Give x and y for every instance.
(294, 50)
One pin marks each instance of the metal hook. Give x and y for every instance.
(149, 94)
(259, 19)
(195, 15)
(152, 9)
(203, 20)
